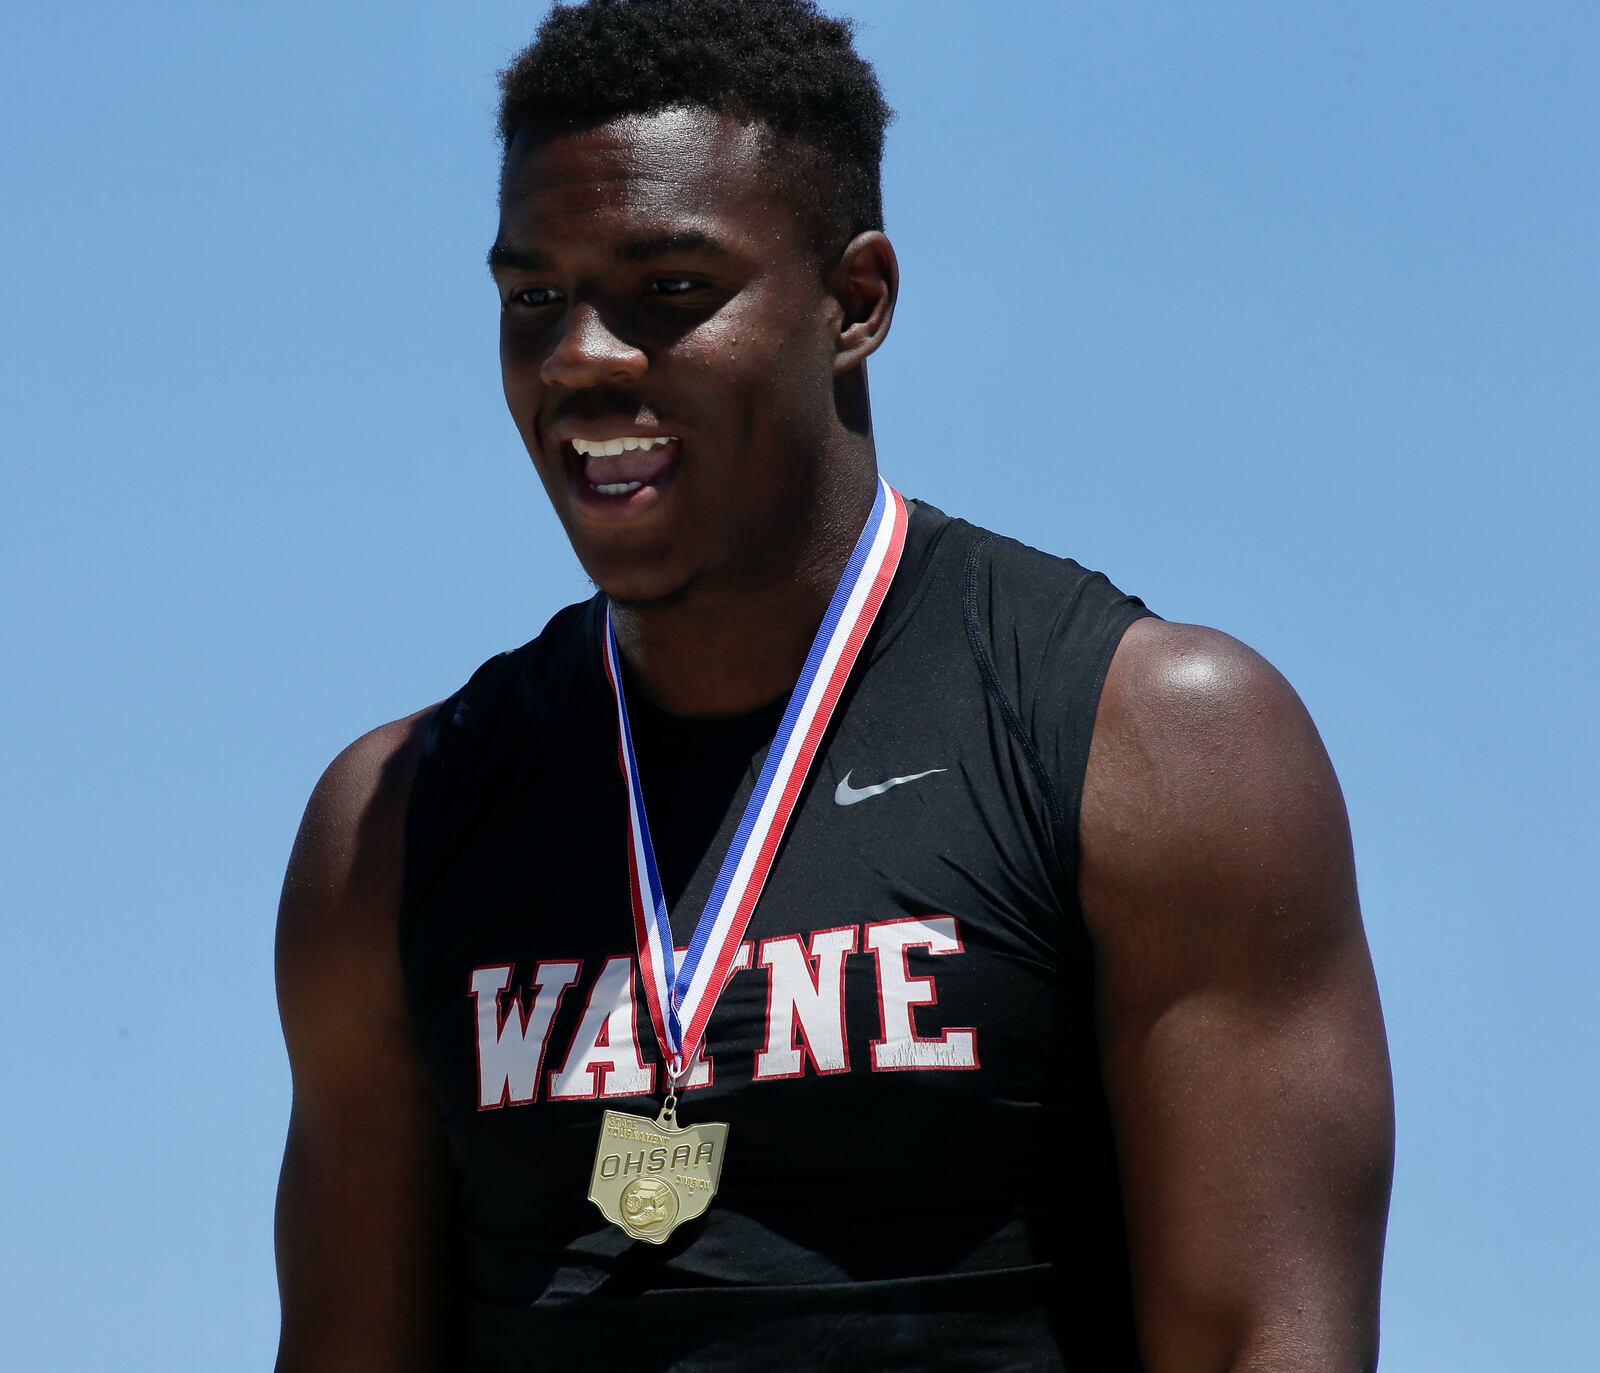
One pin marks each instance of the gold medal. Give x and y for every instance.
(652, 1175)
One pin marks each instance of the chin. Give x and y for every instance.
(638, 583)
(664, 601)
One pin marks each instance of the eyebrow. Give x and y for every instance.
(506, 255)
(636, 250)
(689, 241)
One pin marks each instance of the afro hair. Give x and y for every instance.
(778, 63)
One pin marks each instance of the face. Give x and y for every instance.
(667, 347)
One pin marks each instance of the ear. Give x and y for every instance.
(865, 283)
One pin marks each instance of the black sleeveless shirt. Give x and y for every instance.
(919, 1171)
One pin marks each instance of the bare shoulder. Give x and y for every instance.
(1206, 774)
(341, 892)
(1187, 698)
(362, 793)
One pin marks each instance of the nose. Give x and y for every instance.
(589, 354)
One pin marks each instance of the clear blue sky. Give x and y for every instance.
(1286, 316)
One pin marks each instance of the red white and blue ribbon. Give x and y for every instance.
(682, 996)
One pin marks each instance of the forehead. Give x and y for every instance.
(670, 166)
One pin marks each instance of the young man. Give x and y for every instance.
(1010, 932)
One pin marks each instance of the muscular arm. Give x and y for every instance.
(364, 1235)
(1241, 1038)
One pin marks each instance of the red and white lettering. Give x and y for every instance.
(702, 1068)
(511, 1041)
(603, 1058)
(898, 993)
(805, 1004)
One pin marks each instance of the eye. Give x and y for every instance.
(672, 286)
(532, 297)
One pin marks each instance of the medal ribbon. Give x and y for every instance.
(682, 997)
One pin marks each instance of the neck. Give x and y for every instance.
(734, 647)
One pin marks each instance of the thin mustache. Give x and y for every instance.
(597, 404)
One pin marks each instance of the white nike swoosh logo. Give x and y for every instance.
(846, 795)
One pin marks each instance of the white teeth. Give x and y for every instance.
(616, 488)
(611, 448)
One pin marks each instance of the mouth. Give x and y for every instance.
(620, 476)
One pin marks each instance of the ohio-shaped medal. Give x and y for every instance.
(652, 1175)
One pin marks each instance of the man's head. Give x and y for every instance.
(690, 254)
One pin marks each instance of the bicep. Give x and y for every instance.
(1241, 1037)
(364, 1243)
(365, 1198)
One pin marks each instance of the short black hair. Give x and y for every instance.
(781, 63)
